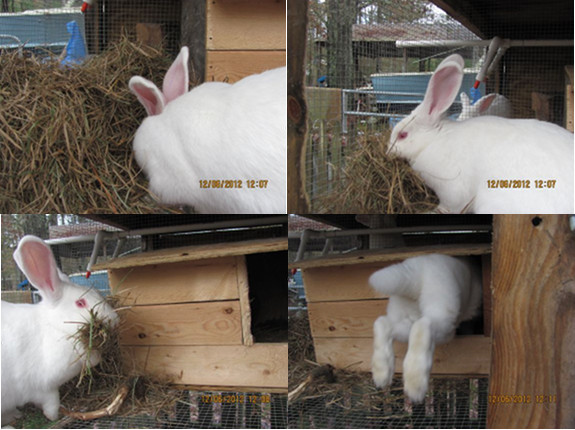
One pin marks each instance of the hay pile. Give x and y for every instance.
(373, 182)
(339, 388)
(66, 133)
(111, 386)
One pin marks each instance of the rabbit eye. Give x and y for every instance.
(402, 134)
(81, 303)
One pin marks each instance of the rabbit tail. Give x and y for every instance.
(396, 280)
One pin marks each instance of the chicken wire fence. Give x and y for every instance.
(59, 29)
(203, 409)
(368, 65)
(450, 403)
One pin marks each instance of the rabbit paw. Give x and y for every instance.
(51, 406)
(417, 363)
(383, 360)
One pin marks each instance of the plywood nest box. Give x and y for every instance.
(196, 314)
(244, 37)
(342, 308)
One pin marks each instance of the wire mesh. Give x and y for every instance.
(58, 28)
(361, 80)
(450, 403)
(203, 409)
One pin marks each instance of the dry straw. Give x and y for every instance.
(372, 182)
(112, 388)
(66, 133)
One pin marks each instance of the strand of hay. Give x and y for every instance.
(66, 133)
(373, 182)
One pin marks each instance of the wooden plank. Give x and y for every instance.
(198, 252)
(231, 66)
(210, 323)
(259, 365)
(533, 322)
(345, 319)
(394, 254)
(246, 25)
(188, 281)
(337, 283)
(244, 296)
(464, 355)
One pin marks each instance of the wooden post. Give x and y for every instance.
(193, 35)
(297, 199)
(532, 381)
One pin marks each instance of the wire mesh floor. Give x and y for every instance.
(450, 403)
(203, 410)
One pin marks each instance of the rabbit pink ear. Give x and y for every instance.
(36, 260)
(443, 87)
(485, 102)
(148, 94)
(177, 81)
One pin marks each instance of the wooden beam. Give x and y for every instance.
(193, 35)
(533, 323)
(394, 254)
(244, 300)
(260, 365)
(186, 281)
(210, 323)
(297, 198)
(198, 252)
(464, 355)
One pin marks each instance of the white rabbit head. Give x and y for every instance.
(491, 104)
(220, 148)
(176, 83)
(441, 91)
(39, 349)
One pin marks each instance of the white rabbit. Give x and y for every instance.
(429, 296)
(485, 164)
(234, 133)
(38, 353)
(491, 104)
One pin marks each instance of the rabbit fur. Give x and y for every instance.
(461, 160)
(38, 354)
(216, 131)
(491, 104)
(428, 297)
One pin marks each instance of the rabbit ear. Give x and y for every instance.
(176, 81)
(485, 102)
(443, 87)
(148, 94)
(36, 260)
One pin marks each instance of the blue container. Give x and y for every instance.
(415, 83)
(97, 280)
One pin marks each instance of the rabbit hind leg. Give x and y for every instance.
(418, 360)
(383, 359)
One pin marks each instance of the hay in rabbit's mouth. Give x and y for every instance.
(98, 387)
(67, 133)
(374, 182)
